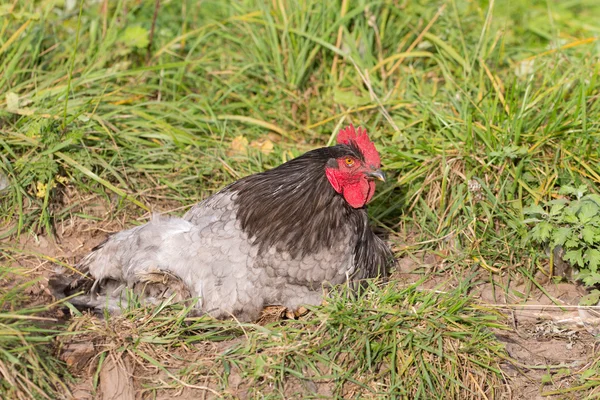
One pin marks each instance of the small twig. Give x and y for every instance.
(151, 38)
(418, 39)
(365, 78)
(540, 306)
(338, 42)
(70, 71)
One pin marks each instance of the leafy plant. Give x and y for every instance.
(573, 223)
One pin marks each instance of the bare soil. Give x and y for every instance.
(548, 337)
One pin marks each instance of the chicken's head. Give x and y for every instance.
(353, 174)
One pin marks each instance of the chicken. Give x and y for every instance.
(274, 238)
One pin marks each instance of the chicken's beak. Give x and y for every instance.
(376, 174)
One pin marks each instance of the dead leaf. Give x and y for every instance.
(116, 381)
(12, 101)
(274, 137)
(238, 146)
(264, 145)
(4, 182)
(77, 355)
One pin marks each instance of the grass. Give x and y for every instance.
(27, 364)
(479, 109)
(391, 341)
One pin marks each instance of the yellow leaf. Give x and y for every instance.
(238, 146)
(12, 101)
(264, 145)
(61, 179)
(41, 190)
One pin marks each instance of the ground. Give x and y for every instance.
(542, 343)
(487, 119)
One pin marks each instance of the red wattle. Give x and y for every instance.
(357, 190)
(359, 193)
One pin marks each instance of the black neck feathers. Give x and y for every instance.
(294, 208)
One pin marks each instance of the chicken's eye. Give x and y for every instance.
(349, 161)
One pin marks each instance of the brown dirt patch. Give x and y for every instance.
(549, 338)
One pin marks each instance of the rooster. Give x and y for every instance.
(273, 238)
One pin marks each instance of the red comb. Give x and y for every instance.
(361, 140)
